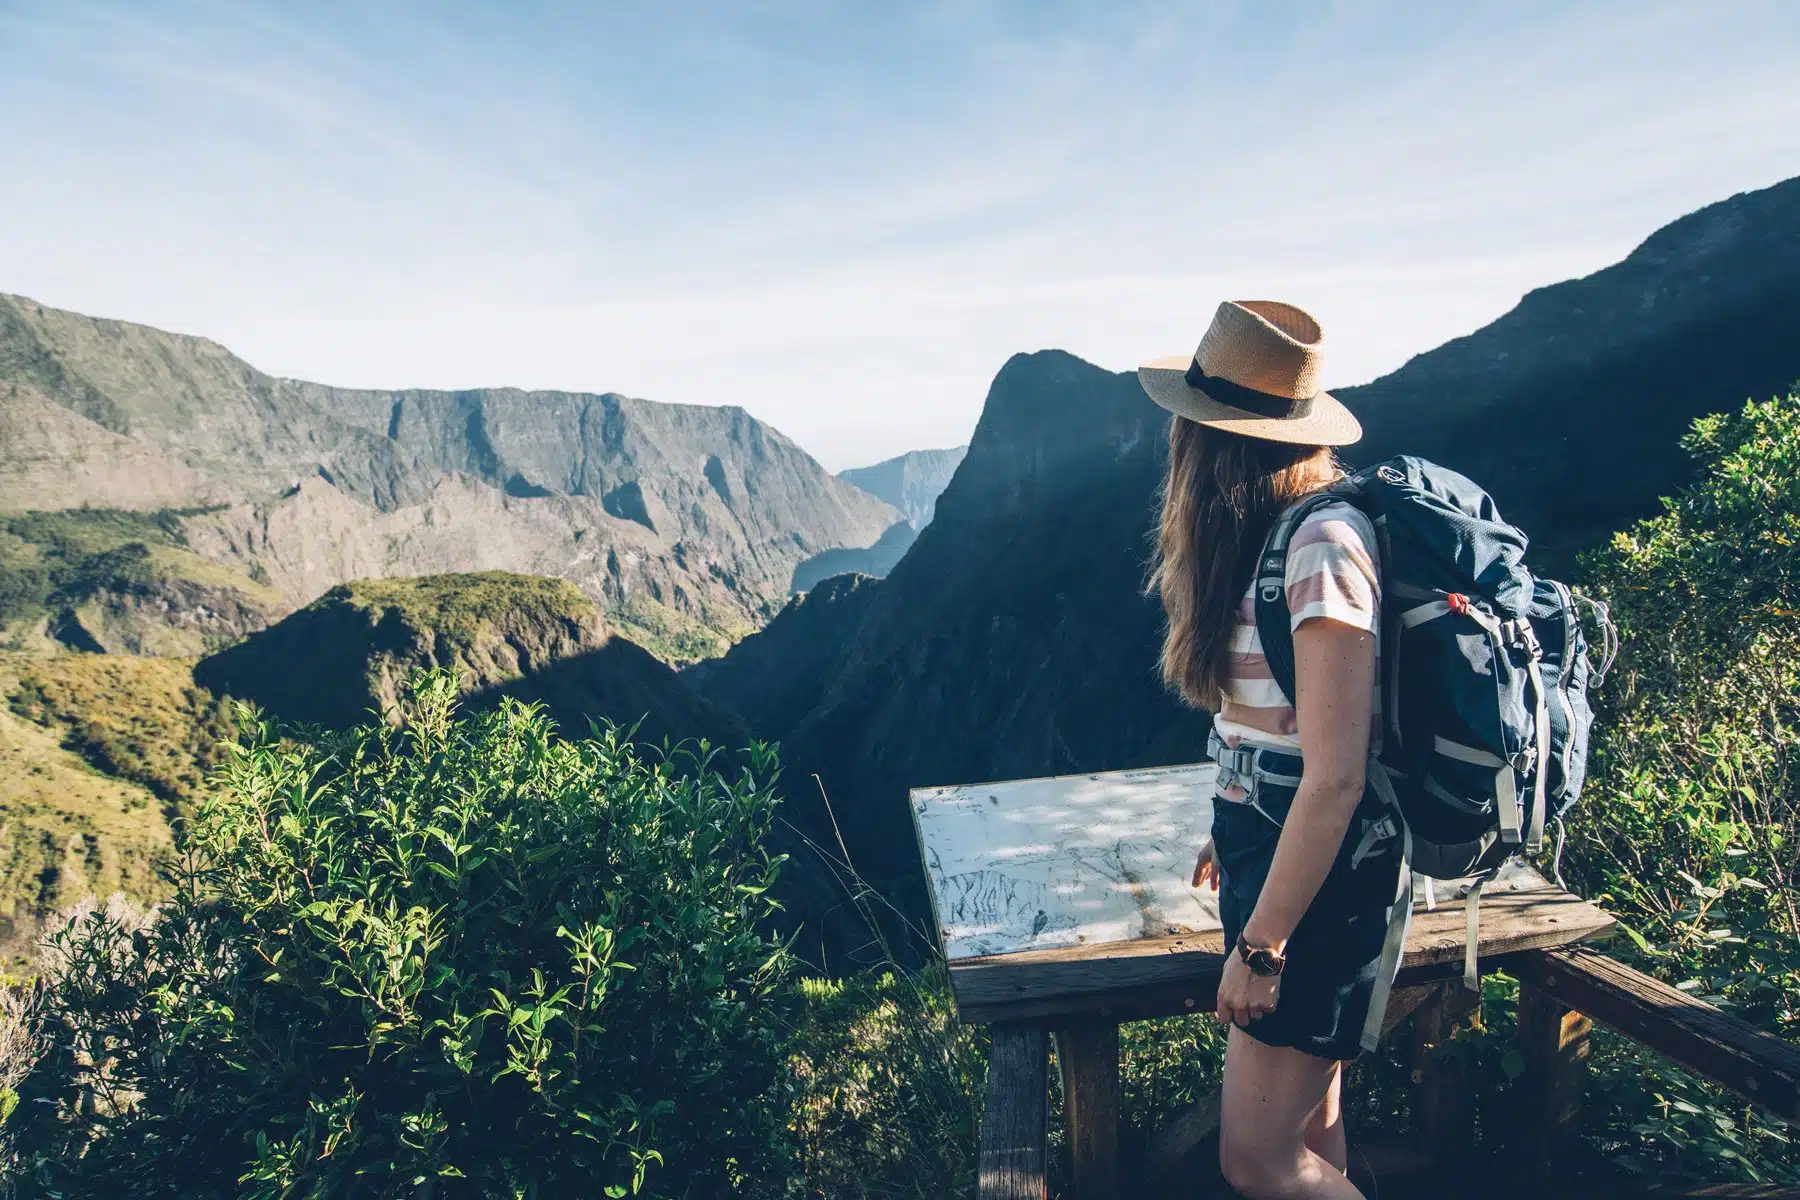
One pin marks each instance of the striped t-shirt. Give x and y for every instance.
(1333, 571)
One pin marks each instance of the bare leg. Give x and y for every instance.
(1325, 1129)
(1272, 1097)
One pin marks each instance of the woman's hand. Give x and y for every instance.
(1206, 867)
(1243, 994)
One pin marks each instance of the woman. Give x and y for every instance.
(1303, 910)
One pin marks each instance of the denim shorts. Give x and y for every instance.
(1334, 953)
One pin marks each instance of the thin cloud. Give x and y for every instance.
(846, 218)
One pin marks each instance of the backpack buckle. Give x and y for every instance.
(1237, 766)
(1518, 632)
(1376, 834)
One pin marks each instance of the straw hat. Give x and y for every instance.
(1256, 373)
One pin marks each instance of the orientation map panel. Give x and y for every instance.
(1031, 864)
(1039, 864)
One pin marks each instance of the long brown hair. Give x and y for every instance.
(1219, 501)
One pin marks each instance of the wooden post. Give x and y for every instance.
(1089, 1057)
(1443, 1098)
(1015, 1118)
(1553, 1040)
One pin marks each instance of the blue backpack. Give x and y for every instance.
(1485, 679)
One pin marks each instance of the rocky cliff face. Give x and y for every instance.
(911, 483)
(697, 515)
(1015, 639)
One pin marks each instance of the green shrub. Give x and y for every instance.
(1691, 819)
(458, 957)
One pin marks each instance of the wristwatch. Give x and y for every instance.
(1260, 959)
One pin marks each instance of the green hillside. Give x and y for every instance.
(114, 581)
(97, 754)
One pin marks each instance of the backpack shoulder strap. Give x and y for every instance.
(1272, 624)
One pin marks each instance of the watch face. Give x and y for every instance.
(1260, 959)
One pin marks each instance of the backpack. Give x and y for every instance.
(1485, 678)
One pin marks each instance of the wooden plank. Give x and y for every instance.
(1443, 1097)
(1756, 1065)
(1398, 1165)
(1553, 1040)
(1015, 1117)
(1075, 859)
(1178, 973)
(1088, 1054)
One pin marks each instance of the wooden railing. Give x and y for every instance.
(1562, 992)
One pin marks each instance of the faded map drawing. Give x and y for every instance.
(1033, 863)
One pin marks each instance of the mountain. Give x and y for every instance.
(911, 483)
(779, 677)
(350, 651)
(687, 523)
(1015, 639)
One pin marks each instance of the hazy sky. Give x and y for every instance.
(845, 217)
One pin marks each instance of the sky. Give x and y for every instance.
(845, 217)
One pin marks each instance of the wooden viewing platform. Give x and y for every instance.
(1063, 908)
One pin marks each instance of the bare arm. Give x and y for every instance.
(1334, 670)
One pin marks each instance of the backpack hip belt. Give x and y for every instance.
(1249, 765)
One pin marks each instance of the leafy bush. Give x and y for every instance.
(1692, 817)
(455, 957)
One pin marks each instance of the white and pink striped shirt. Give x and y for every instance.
(1333, 571)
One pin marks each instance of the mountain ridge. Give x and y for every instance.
(702, 512)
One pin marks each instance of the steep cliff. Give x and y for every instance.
(911, 482)
(694, 518)
(108, 581)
